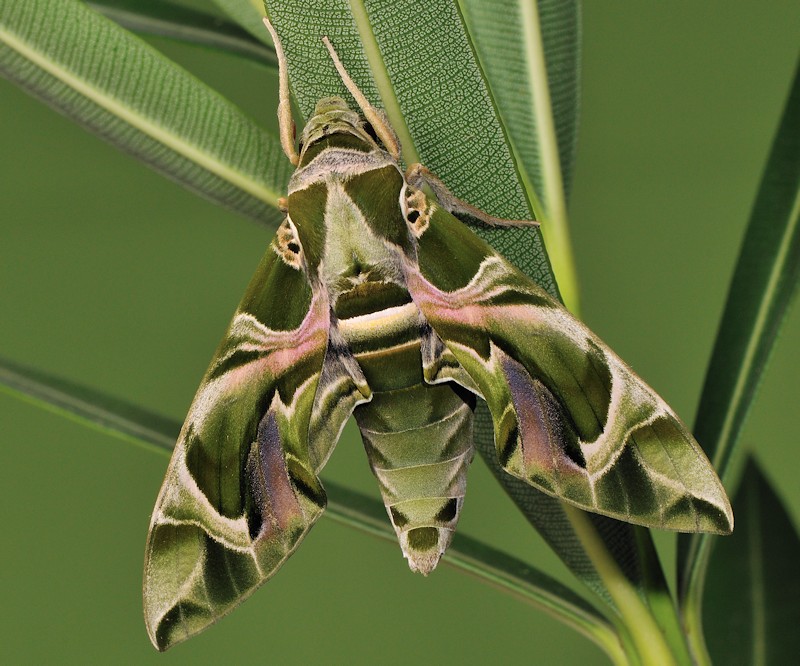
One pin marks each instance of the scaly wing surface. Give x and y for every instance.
(242, 488)
(570, 417)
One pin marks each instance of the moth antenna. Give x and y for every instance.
(375, 118)
(285, 121)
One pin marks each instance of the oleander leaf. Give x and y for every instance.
(248, 14)
(88, 407)
(752, 592)
(165, 19)
(530, 54)
(445, 118)
(125, 91)
(122, 420)
(764, 282)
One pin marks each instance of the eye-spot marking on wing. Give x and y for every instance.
(287, 245)
(417, 210)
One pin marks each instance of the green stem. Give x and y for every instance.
(658, 596)
(645, 633)
(693, 628)
(553, 214)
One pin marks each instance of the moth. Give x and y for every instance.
(374, 300)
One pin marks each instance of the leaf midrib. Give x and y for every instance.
(140, 122)
(391, 104)
(755, 557)
(552, 204)
(724, 441)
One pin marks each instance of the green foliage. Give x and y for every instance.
(763, 285)
(163, 116)
(162, 18)
(761, 612)
(455, 107)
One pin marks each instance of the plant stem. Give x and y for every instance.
(555, 230)
(645, 633)
(693, 629)
(658, 597)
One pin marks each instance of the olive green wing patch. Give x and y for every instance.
(570, 417)
(242, 488)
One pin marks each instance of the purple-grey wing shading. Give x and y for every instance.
(242, 487)
(570, 417)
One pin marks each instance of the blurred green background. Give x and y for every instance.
(114, 277)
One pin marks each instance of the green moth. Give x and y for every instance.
(374, 300)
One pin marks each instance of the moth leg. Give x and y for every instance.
(418, 176)
(285, 121)
(374, 117)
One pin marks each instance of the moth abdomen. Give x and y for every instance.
(417, 429)
(419, 443)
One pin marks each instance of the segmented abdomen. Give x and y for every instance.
(418, 437)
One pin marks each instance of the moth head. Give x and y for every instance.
(334, 118)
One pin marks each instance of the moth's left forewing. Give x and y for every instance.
(242, 487)
(570, 417)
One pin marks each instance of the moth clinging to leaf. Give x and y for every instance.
(374, 299)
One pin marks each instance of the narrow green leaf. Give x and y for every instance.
(119, 87)
(164, 19)
(530, 54)
(752, 587)
(764, 282)
(248, 14)
(399, 53)
(120, 419)
(86, 406)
